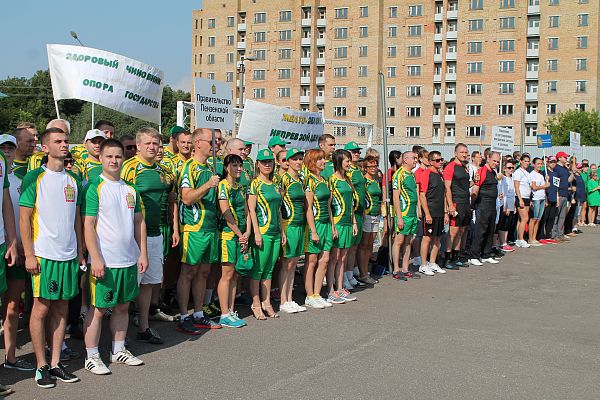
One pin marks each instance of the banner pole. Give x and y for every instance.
(93, 112)
(214, 151)
(385, 174)
(545, 166)
(56, 107)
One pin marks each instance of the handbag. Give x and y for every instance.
(244, 263)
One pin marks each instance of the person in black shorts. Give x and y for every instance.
(458, 200)
(431, 196)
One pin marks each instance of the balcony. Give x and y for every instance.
(304, 99)
(531, 75)
(306, 22)
(436, 119)
(321, 62)
(438, 37)
(320, 80)
(533, 31)
(439, 17)
(530, 139)
(451, 56)
(531, 10)
(321, 23)
(320, 99)
(450, 97)
(449, 119)
(305, 80)
(531, 96)
(305, 41)
(435, 139)
(453, 14)
(305, 61)
(437, 58)
(533, 53)
(437, 77)
(531, 118)
(321, 42)
(242, 27)
(451, 35)
(450, 77)
(449, 139)
(241, 45)
(437, 98)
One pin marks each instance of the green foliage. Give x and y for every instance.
(585, 122)
(30, 100)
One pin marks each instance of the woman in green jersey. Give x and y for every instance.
(264, 206)
(343, 203)
(294, 223)
(234, 234)
(319, 235)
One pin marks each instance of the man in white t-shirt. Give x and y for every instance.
(522, 182)
(539, 183)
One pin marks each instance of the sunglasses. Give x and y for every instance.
(68, 161)
(438, 160)
(510, 167)
(130, 147)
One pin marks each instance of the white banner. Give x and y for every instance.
(261, 121)
(108, 79)
(575, 143)
(213, 104)
(503, 140)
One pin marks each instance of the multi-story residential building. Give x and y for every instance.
(452, 67)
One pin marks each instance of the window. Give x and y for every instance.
(363, 51)
(283, 92)
(450, 109)
(580, 86)
(339, 111)
(391, 72)
(583, 1)
(507, 23)
(474, 47)
(364, 31)
(210, 58)
(230, 40)
(554, 2)
(341, 33)
(553, 21)
(212, 41)
(391, 130)
(553, 43)
(551, 109)
(473, 110)
(212, 23)
(507, 3)
(341, 13)
(532, 87)
(286, 35)
(474, 67)
(340, 72)
(364, 11)
(230, 58)
(362, 111)
(582, 20)
(581, 64)
(230, 21)
(414, 70)
(413, 131)
(415, 30)
(393, 12)
(506, 45)
(531, 109)
(259, 74)
(505, 109)
(229, 76)
(362, 91)
(258, 93)
(413, 91)
(392, 51)
(450, 130)
(553, 65)
(341, 52)
(474, 88)
(260, 54)
(284, 73)
(285, 54)
(414, 51)
(260, 37)
(390, 112)
(392, 31)
(506, 88)
(533, 66)
(413, 112)
(210, 75)
(260, 17)
(390, 91)
(475, 24)
(285, 16)
(473, 131)
(340, 91)
(415, 10)
(475, 4)
(362, 70)
(552, 86)
(582, 42)
(339, 130)
(506, 66)
(580, 106)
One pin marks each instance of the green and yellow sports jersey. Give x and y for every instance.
(268, 203)
(219, 164)
(177, 164)
(89, 169)
(19, 168)
(201, 215)
(328, 171)
(342, 200)
(167, 153)
(236, 199)
(404, 181)
(292, 210)
(318, 187)
(360, 186)
(249, 167)
(154, 184)
(35, 160)
(79, 152)
(373, 198)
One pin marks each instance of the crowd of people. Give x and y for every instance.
(131, 227)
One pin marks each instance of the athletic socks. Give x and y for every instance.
(198, 314)
(117, 346)
(92, 350)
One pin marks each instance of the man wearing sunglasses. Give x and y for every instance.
(128, 143)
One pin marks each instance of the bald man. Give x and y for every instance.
(35, 161)
(238, 147)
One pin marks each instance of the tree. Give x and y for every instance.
(587, 123)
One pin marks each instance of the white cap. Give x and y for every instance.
(94, 133)
(6, 138)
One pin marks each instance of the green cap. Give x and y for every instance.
(352, 146)
(248, 143)
(175, 130)
(292, 152)
(277, 140)
(265, 155)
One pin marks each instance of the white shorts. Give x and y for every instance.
(371, 224)
(154, 273)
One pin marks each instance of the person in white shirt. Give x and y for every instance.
(508, 219)
(522, 183)
(539, 183)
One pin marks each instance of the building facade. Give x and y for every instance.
(452, 67)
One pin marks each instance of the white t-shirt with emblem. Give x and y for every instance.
(15, 193)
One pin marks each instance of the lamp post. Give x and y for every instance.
(74, 36)
(242, 71)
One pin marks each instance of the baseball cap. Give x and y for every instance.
(175, 130)
(551, 159)
(579, 165)
(265, 155)
(6, 138)
(277, 140)
(352, 146)
(561, 154)
(292, 152)
(94, 133)
(248, 143)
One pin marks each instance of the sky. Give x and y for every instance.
(154, 32)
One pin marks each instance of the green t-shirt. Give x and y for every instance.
(19, 168)
(249, 167)
(236, 199)
(154, 184)
(219, 164)
(342, 201)
(404, 181)
(201, 215)
(322, 194)
(360, 186)
(373, 198)
(328, 171)
(90, 170)
(586, 177)
(292, 210)
(268, 203)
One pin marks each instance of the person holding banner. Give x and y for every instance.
(264, 206)
(359, 183)
(539, 184)
(319, 235)
(522, 182)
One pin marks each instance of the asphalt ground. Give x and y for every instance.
(527, 328)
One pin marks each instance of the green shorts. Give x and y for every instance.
(200, 247)
(16, 273)
(119, 286)
(265, 257)
(230, 247)
(167, 233)
(360, 220)
(57, 280)
(325, 241)
(410, 225)
(344, 239)
(294, 241)
(3, 286)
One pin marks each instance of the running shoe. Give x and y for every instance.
(367, 279)
(451, 265)
(490, 260)
(412, 275)
(59, 372)
(96, 366)
(297, 306)
(149, 336)
(475, 261)
(344, 294)
(313, 302)
(209, 313)
(552, 241)
(523, 244)
(186, 326)
(335, 298)
(355, 282)
(43, 378)
(216, 309)
(204, 323)
(66, 354)
(288, 308)
(125, 357)
(323, 302)
(19, 364)
(161, 316)
(535, 243)
(234, 315)
(425, 269)
(507, 248)
(544, 241)
(399, 276)
(229, 321)
(436, 268)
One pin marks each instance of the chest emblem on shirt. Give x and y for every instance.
(130, 200)
(69, 194)
(477, 178)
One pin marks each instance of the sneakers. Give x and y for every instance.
(59, 372)
(475, 261)
(204, 323)
(231, 321)
(490, 260)
(65, 355)
(288, 308)
(150, 336)
(313, 302)
(535, 243)
(161, 316)
(95, 365)
(19, 364)
(209, 312)
(354, 282)
(125, 357)
(507, 248)
(433, 267)
(522, 243)
(323, 302)
(425, 269)
(335, 298)
(298, 307)
(545, 241)
(366, 279)
(399, 276)
(344, 294)
(186, 326)
(43, 378)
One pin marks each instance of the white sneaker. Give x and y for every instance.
(288, 308)
(426, 270)
(323, 302)
(475, 261)
(313, 302)
(436, 268)
(522, 244)
(297, 306)
(125, 357)
(95, 365)
(490, 260)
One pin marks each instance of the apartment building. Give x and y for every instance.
(452, 67)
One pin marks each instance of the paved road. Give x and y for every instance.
(528, 328)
